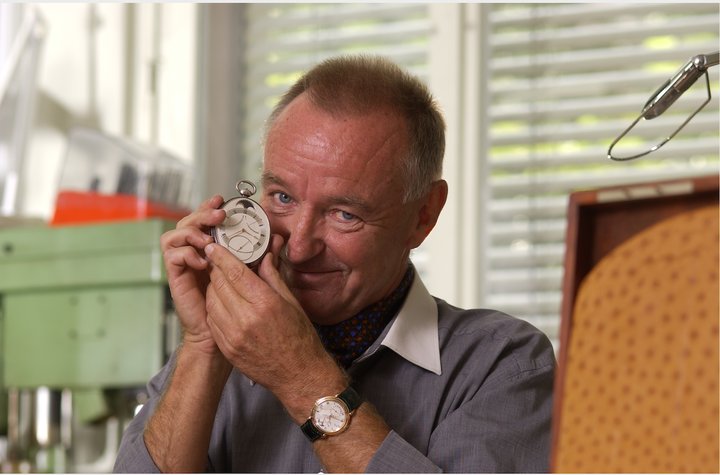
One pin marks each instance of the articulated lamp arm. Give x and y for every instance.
(668, 93)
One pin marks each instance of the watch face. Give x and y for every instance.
(245, 231)
(330, 415)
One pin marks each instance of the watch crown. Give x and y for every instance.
(245, 188)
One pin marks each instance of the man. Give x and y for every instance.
(351, 178)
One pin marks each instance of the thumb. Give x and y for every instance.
(276, 247)
(269, 273)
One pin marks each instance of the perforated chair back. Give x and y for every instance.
(640, 386)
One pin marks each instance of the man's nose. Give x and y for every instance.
(305, 239)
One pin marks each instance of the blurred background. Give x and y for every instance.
(165, 103)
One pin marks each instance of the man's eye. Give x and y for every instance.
(283, 198)
(345, 216)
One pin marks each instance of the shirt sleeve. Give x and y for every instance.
(133, 456)
(504, 427)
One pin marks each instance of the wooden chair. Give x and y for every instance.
(637, 384)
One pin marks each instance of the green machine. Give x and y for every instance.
(84, 311)
(3, 394)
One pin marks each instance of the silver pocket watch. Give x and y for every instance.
(246, 229)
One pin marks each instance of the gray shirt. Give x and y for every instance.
(462, 390)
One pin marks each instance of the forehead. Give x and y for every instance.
(368, 147)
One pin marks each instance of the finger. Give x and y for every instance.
(217, 318)
(182, 257)
(202, 218)
(270, 274)
(216, 308)
(213, 202)
(276, 247)
(229, 272)
(184, 236)
(219, 337)
(269, 269)
(207, 214)
(231, 318)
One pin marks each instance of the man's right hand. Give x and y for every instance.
(186, 269)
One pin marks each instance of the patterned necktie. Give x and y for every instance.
(350, 338)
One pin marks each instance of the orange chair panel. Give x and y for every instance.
(641, 384)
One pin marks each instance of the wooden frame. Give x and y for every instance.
(600, 220)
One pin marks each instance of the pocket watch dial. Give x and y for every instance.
(245, 231)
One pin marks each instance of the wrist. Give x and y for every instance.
(300, 399)
(205, 356)
(331, 415)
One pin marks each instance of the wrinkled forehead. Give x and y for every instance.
(309, 135)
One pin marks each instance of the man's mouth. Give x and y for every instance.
(302, 278)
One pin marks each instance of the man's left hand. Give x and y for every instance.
(263, 331)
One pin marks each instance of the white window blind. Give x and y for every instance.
(563, 81)
(285, 40)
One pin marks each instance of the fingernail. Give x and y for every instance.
(209, 249)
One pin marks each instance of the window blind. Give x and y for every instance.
(285, 40)
(563, 81)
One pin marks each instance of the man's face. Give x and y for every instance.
(333, 189)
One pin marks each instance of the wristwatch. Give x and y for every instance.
(331, 415)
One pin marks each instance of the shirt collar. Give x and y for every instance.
(413, 334)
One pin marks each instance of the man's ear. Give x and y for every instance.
(429, 212)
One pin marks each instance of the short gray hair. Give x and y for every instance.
(357, 84)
